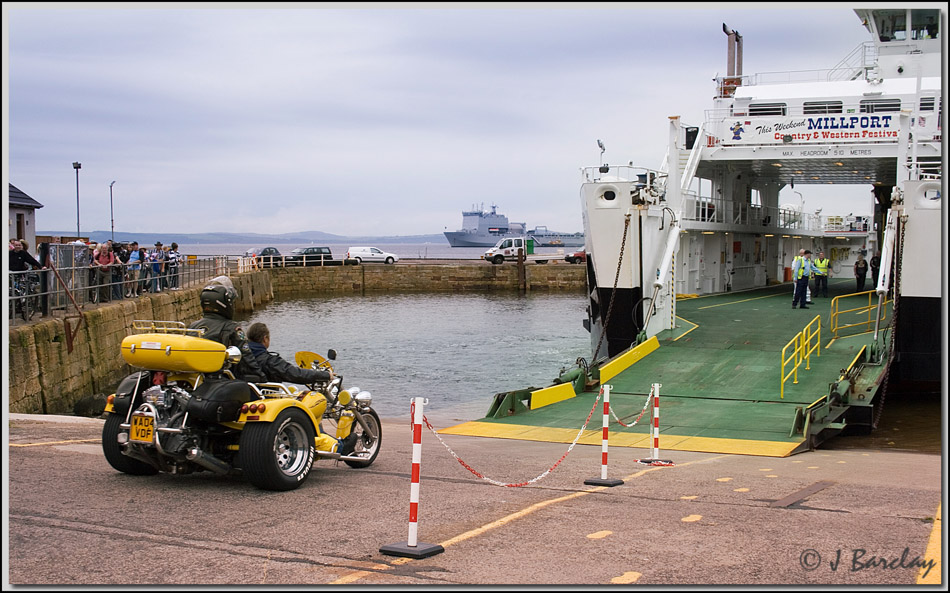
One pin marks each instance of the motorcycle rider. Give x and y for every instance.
(217, 304)
(277, 369)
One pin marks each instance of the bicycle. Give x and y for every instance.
(24, 289)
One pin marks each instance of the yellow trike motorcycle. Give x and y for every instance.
(185, 412)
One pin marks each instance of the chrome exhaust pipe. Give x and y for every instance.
(208, 461)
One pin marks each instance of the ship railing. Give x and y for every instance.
(855, 313)
(798, 349)
(621, 173)
(718, 210)
(856, 64)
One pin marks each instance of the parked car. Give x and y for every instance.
(368, 254)
(577, 257)
(310, 256)
(265, 256)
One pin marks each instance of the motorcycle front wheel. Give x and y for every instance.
(113, 451)
(278, 455)
(367, 447)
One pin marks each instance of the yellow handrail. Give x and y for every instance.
(870, 309)
(805, 342)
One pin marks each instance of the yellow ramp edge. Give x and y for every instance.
(551, 395)
(624, 361)
(668, 442)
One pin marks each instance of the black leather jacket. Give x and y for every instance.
(221, 329)
(277, 369)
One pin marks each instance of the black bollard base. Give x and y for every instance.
(418, 551)
(603, 482)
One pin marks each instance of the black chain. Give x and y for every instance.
(613, 294)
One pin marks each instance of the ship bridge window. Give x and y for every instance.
(880, 105)
(818, 107)
(924, 23)
(767, 109)
(891, 24)
(926, 103)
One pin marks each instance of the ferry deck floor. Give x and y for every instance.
(719, 375)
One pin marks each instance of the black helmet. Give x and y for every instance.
(218, 297)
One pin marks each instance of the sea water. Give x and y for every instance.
(456, 350)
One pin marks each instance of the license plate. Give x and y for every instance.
(142, 429)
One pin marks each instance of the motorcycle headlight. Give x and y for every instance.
(364, 398)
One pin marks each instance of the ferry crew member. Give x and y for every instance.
(821, 265)
(802, 268)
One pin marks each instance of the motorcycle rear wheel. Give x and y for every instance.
(279, 455)
(113, 451)
(366, 446)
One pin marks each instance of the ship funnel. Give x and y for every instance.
(733, 61)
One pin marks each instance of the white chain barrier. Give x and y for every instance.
(520, 484)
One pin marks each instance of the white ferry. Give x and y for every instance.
(710, 220)
(690, 292)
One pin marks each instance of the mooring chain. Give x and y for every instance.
(613, 293)
(646, 405)
(520, 484)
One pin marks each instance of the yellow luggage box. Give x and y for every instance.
(173, 352)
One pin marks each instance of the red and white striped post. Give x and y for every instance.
(655, 460)
(602, 480)
(411, 548)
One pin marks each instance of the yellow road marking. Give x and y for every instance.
(55, 443)
(934, 553)
(769, 296)
(599, 534)
(741, 490)
(691, 518)
(626, 578)
(354, 576)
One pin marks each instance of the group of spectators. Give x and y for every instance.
(131, 270)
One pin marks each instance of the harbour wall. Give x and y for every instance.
(46, 376)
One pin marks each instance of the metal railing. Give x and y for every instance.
(803, 344)
(71, 280)
(860, 304)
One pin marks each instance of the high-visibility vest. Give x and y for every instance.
(802, 262)
(822, 265)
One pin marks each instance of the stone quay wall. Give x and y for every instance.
(45, 377)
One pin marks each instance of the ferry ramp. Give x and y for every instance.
(719, 375)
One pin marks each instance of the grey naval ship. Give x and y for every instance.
(481, 228)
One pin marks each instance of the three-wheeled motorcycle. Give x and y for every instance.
(184, 412)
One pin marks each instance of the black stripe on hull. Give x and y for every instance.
(919, 360)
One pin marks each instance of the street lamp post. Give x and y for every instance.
(111, 213)
(77, 166)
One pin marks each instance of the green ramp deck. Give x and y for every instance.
(719, 373)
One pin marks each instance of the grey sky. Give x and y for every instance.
(367, 121)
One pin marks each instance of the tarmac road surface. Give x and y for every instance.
(836, 517)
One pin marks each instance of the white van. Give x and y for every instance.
(368, 254)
